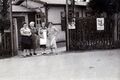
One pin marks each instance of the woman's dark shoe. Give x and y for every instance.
(35, 53)
(30, 54)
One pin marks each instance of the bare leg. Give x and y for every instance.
(24, 52)
(51, 50)
(30, 52)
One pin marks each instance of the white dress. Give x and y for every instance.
(43, 37)
(52, 32)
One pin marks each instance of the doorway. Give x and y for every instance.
(18, 23)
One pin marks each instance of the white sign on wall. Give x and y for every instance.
(100, 23)
(71, 26)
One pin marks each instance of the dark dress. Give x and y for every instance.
(26, 42)
(34, 38)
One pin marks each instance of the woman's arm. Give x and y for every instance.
(56, 30)
(25, 32)
(21, 31)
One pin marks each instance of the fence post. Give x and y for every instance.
(11, 29)
(67, 30)
(115, 27)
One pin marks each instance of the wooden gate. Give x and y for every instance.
(5, 48)
(86, 35)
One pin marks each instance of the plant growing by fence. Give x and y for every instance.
(110, 7)
(5, 45)
(5, 19)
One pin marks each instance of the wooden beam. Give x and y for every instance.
(67, 30)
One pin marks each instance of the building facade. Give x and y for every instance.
(44, 11)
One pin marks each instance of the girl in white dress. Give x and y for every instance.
(52, 32)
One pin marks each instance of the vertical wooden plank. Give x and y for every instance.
(115, 27)
(15, 35)
(11, 28)
(67, 30)
(0, 38)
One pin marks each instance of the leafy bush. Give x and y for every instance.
(4, 24)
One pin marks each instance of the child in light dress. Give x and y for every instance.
(52, 33)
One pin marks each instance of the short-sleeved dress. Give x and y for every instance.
(25, 38)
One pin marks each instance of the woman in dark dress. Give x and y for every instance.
(34, 38)
(25, 39)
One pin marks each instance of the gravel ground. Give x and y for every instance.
(87, 65)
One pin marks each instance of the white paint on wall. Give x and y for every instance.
(54, 14)
(61, 36)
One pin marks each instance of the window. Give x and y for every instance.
(38, 20)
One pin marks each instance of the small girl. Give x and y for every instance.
(52, 32)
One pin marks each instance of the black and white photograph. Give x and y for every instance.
(60, 39)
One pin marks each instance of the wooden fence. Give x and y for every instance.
(5, 46)
(86, 36)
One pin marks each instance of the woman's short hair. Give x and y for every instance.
(49, 24)
(32, 22)
(23, 23)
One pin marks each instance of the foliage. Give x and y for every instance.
(107, 6)
(5, 5)
(4, 24)
(4, 21)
